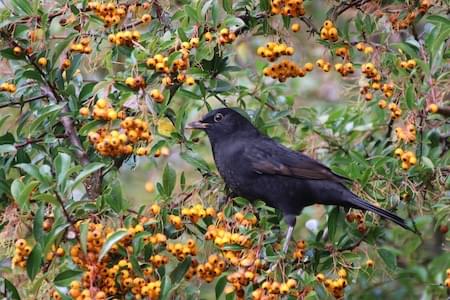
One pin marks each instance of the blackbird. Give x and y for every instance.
(255, 166)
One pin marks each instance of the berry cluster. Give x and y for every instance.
(136, 82)
(226, 36)
(447, 280)
(285, 69)
(408, 158)
(222, 237)
(299, 251)
(103, 110)
(291, 8)
(324, 65)
(334, 286)
(21, 252)
(82, 47)
(55, 251)
(410, 17)
(114, 143)
(344, 69)
(358, 218)
(363, 47)
(275, 289)
(180, 251)
(329, 31)
(124, 38)
(8, 87)
(407, 134)
(273, 50)
(408, 64)
(109, 13)
(208, 271)
(197, 212)
(396, 111)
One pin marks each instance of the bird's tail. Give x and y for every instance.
(357, 202)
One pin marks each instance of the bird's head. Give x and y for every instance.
(223, 122)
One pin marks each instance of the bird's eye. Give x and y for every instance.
(218, 117)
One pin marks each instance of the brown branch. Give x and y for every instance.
(344, 6)
(23, 101)
(34, 141)
(312, 29)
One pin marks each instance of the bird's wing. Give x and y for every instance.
(269, 157)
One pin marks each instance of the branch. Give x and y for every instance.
(23, 101)
(34, 141)
(342, 7)
(309, 23)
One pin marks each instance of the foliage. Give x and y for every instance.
(90, 88)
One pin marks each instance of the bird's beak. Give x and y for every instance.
(197, 125)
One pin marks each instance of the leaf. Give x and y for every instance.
(410, 97)
(51, 237)
(86, 90)
(197, 162)
(169, 178)
(166, 286)
(179, 271)
(10, 289)
(7, 148)
(388, 257)
(23, 5)
(114, 238)
(34, 261)
(84, 228)
(61, 46)
(192, 13)
(25, 193)
(38, 220)
(165, 127)
(332, 222)
(220, 286)
(65, 277)
(33, 171)
(228, 6)
(87, 170)
(62, 164)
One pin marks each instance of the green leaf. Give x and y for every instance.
(24, 195)
(168, 180)
(166, 286)
(86, 90)
(179, 271)
(228, 6)
(23, 6)
(332, 222)
(38, 231)
(10, 291)
(61, 46)
(220, 286)
(33, 171)
(7, 148)
(84, 228)
(410, 97)
(195, 161)
(62, 165)
(87, 170)
(192, 13)
(64, 278)
(52, 236)
(34, 261)
(114, 238)
(388, 257)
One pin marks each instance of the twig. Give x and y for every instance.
(309, 23)
(23, 101)
(37, 140)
